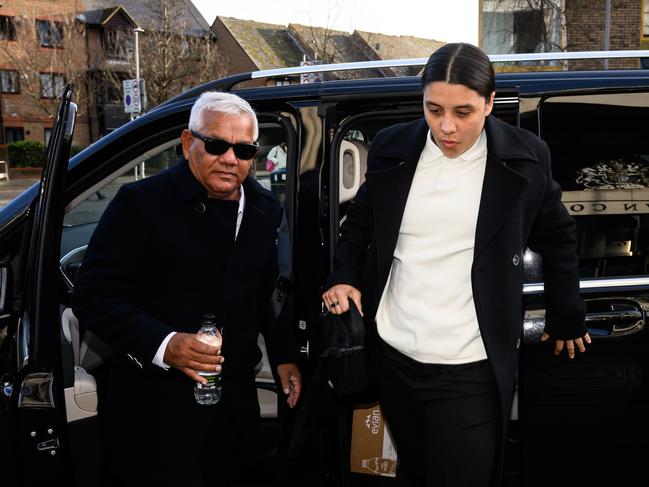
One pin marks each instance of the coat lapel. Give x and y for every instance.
(501, 191)
(503, 186)
(389, 196)
(389, 185)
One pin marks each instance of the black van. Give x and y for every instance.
(587, 418)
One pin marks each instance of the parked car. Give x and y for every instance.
(586, 418)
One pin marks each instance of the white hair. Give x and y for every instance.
(217, 101)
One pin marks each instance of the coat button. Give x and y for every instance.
(518, 343)
(516, 259)
(199, 208)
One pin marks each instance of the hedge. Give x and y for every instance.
(31, 153)
(26, 153)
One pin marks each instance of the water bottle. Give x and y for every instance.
(210, 393)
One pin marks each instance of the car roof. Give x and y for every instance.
(529, 82)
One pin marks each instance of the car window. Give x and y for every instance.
(600, 154)
(90, 209)
(269, 167)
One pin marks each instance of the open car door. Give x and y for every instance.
(33, 409)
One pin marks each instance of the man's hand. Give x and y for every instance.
(568, 344)
(185, 353)
(291, 379)
(337, 297)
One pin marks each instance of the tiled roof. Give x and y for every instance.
(268, 45)
(331, 46)
(383, 46)
(94, 17)
(334, 45)
(99, 16)
(146, 13)
(398, 47)
(272, 46)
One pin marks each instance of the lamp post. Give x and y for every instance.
(607, 31)
(137, 31)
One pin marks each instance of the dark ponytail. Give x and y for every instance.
(462, 64)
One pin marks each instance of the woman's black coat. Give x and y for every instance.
(520, 206)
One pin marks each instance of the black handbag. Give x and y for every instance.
(344, 355)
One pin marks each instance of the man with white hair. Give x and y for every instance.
(198, 238)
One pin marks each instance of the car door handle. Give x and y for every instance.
(614, 317)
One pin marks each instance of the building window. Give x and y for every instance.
(14, 134)
(52, 85)
(50, 34)
(528, 31)
(645, 19)
(515, 27)
(9, 81)
(117, 44)
(7, 28)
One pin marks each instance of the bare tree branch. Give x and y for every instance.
(173, 59)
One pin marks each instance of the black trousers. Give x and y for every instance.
(444, 419)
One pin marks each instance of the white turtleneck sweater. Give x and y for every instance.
(427, 310)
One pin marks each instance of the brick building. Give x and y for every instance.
(586, 28)
(109, 46)
(40, 50)
(89, 43)
(519, 26)
(644, 42)
(176, 51)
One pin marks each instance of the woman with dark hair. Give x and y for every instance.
(432, 252)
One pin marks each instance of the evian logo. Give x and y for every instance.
(373, 421)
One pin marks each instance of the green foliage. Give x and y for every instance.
(26, 153)
(31, 153)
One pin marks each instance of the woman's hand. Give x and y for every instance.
(569, 345)
(336, 298)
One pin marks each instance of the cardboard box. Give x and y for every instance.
(372, 449)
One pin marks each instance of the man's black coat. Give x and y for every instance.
(162, 256)
(520, 206)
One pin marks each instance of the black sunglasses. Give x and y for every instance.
(216, 147)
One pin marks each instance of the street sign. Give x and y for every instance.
(132, 101)
(310, 77)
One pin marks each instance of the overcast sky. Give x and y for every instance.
(443, 20)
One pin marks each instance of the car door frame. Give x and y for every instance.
(36, 413)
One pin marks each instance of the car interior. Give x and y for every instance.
(606, 184)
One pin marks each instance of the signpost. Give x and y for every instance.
(135, 96)
(132, 96)
(135, 103)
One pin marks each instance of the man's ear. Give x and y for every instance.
(185, 140)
